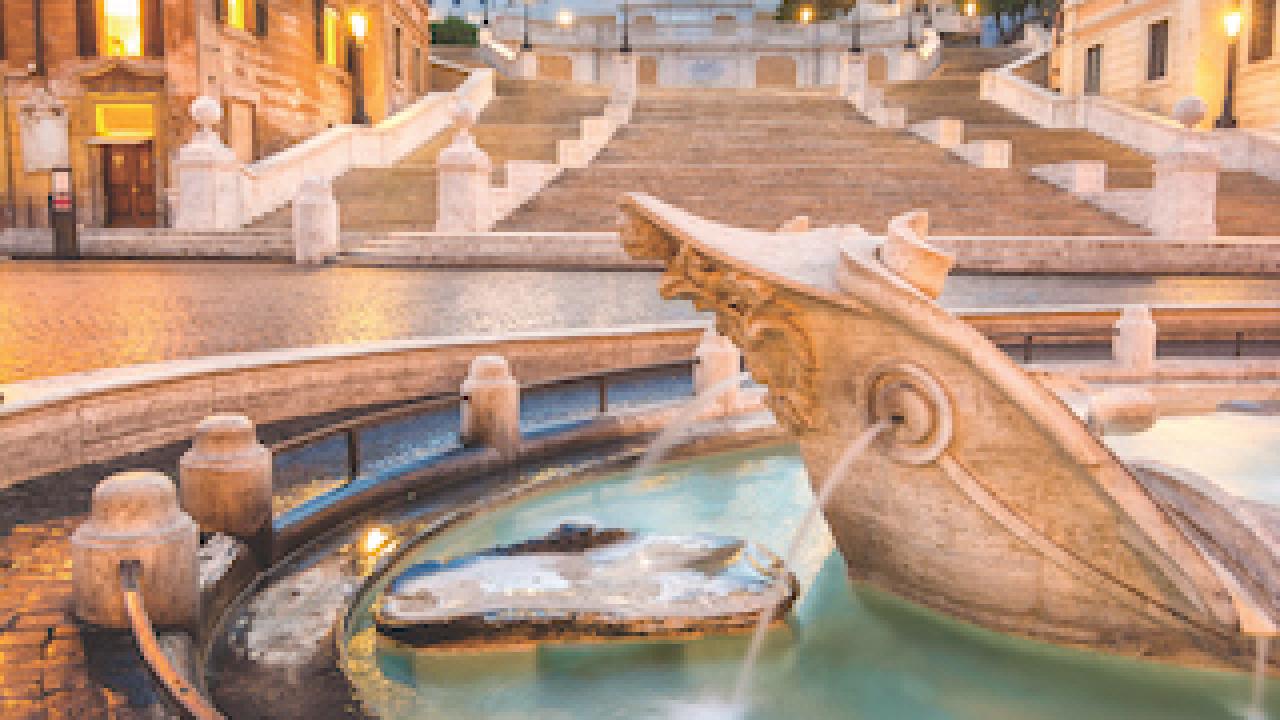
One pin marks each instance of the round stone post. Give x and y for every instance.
(225, 478)
(718, 369)
(135, 516)
(209, 175)
(1134, 344)
(491, 405)
(317, 235)
(465, 200)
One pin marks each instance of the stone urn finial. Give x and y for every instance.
(464, 116)
(207, 113)
(1189, 111)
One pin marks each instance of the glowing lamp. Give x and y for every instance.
(971, 9)
(806, 14)
(1232, 23)
(374, 540)
(564, 18)
(358, 22)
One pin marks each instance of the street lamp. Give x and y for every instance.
(806, 15)
(526, 45)
(485, 5)
(358, 24)
(855, 32)
(564, 19)
(911, 38)
(1231, 23)
(626, 28)
(971, 9)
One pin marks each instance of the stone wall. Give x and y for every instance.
(64, 423)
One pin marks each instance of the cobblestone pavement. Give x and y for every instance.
(58, 318)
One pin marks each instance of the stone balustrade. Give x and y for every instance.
(99, 416)
(216, 193)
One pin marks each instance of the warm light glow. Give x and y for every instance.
(235, 13)
(806, 15)
(374, 540)
(330, 37)
(124, 120)
(122, 28)
(564, 18)
(359, 24)
(971, 9)
(1232, 23)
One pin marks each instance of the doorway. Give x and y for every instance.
(129, 178)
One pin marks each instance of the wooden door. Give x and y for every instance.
(130, 180)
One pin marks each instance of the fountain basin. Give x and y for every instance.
(580, 583)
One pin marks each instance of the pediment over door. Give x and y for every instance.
(120, 78)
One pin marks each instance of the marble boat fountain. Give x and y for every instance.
(988, 499)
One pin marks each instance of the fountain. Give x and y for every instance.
(992, 502)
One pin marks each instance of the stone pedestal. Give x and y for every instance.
(1122, 410)
(1184, 195)
(625, 83)
(852, 75)
(1134, 344)
(135, 516)
(209, 176)
(526, 65)
(317, 232)
(491, 406)
(225, 478)
(464, 198)
(719, 370)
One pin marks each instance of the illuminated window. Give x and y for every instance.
(127, 120)
(122, 28)
(331, 36)
(235, 13)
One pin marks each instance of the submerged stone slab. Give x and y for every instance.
(582, 583)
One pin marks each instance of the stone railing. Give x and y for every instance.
(274, 181)
(62, 423)
(1250, 149)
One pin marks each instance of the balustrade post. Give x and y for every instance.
(1134, 344)
(718, 370)
(225, 478)
(491, 406)
(465, 198)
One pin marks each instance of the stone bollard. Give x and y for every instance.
(1122, 410)
(135, 516)
(718, 370)
(317, 234)
(225, 478)
(1185, 191)
(526, 65)
(209, 175)
(1134, 344)
(465, 199)
(491, 406)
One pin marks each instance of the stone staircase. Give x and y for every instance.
(756, 158)
(953, 91)
(525, 121)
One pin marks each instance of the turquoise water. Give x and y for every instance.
(1239, 452)
(845, 654)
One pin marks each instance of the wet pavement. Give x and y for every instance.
(58, 318)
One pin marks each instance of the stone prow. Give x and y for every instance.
(989, 499)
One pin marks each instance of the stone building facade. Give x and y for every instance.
(104, 87)
(1151, 53)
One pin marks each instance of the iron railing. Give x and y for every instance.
(1028, 346)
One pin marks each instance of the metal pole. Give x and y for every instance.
(1026, 348)
(855, 42)
(817, 52)
(358, 115)
(526, 45)
(604, 395)
(626, 28)
(353, 454)
(1228, 118)
(911, 42)
(485, 3)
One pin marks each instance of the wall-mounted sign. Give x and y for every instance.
(42, 123)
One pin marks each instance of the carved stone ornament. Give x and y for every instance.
(42, 121)
(750, 311)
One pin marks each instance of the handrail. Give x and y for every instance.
(184, 696)
(362, 421)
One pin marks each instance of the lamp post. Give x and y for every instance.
(485, 5)
(1231, 24)
(855, 32)
(911, 38)
(805, 15)
(626, 28)
(526, 45)
(358, 23)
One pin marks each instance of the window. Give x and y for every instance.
(122, 28)
(1093, 70)
(330, 37)
(417, 71)
(1262, 30)
(396, 49)
(1158, 50)
(260, 18)
(235, 13)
